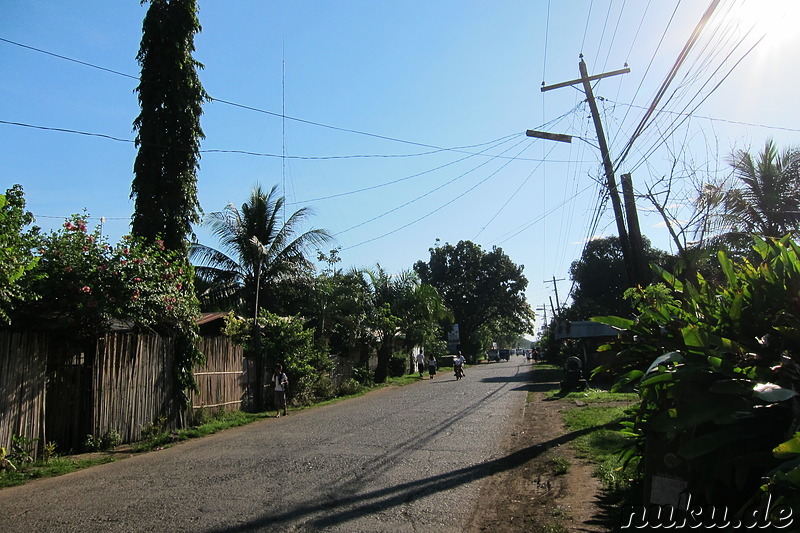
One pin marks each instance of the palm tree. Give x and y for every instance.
(257, 251)
(763, 200)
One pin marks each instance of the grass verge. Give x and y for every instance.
(54, 467)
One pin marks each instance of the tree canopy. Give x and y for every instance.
(484, 290)
(257, 251)
(761, 198)
(168, 126)
(600, 279)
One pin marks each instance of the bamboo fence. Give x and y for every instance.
(221, 382)
(52, 389)
(23, 378)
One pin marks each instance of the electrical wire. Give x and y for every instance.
(449, 202)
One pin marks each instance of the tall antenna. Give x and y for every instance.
(283, 127)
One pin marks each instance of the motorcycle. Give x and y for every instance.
(459, 371)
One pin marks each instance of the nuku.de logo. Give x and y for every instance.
(760, 515)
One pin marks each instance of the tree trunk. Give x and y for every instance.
(384, 356)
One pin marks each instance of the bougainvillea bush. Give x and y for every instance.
(84, 284)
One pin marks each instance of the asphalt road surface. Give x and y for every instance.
(401, 459)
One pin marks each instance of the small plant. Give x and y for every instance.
(22, 449)
(110, 440)
(560, 465)
(349, 387)
(5, 462)
(49, 451)
(155, 429)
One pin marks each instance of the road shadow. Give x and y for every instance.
(345, 508)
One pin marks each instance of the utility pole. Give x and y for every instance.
(634, 231)
(555, 287)
(611, 182)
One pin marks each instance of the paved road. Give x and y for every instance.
(400, 459)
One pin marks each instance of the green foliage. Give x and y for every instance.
(111, 439)
(5, 461)
(398, 365)
(259, 252)
(16, 258)
(601, 278)
(716, 366)
(168, 126)
(350, 387)
(22, 449)
(154, 429)
(484, 290)
(313, 388)
(286, 340)
(88, 283)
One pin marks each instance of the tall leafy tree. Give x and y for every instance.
(168, 126)
(400, 306)
(16, 258)
(600, 279)
(762, 198)
(484, 290)
(258, 251)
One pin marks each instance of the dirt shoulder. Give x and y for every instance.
(537, 495)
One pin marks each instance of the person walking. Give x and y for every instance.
(421, 363)
(458, 365)
(281, 381)
(432, 366)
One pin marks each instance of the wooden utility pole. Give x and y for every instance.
(611, 182)
(555, 288)
(634, 232)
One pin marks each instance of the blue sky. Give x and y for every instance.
(422, 103)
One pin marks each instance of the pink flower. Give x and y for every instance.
(82, 225)
(87, 290)
(68, 225)
(124, 262)
(137, 280)
(68, 269)
(169, 308)
(160, 244)
(126, 251)
(179, 286)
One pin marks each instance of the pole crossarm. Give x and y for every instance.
(625, 70)
(549, 136)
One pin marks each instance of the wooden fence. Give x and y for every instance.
(222, 381)
(23, 378)
(52, 389)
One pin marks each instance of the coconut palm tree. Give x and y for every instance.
(258, 250)
(764, 198)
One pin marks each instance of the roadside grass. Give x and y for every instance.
(602, 442)
(597, 415)
(156, 437)
(57, 466)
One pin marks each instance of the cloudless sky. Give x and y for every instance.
(420, 106)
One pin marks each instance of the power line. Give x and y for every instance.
(438, 208)
(233, 104)
(406, 204)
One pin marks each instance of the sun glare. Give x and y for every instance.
(777, 20)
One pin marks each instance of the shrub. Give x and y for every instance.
(349, 387)
(398, 365)
(716, 368)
